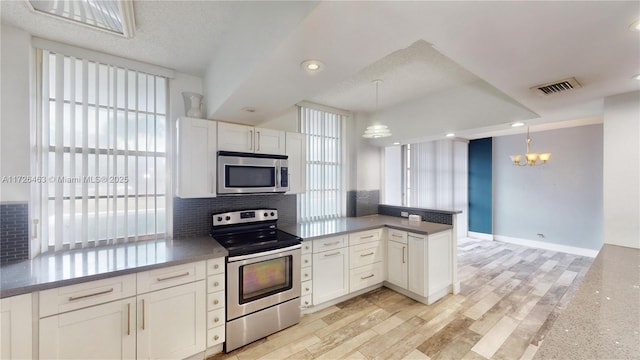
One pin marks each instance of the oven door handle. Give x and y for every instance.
(265, 253)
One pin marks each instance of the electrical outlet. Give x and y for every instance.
(404, 214)
(541, 236)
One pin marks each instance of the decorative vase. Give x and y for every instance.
(192, 104)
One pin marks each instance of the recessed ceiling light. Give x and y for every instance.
(636, 76)
(635, 26)
(450, 135)
(312, 65)
(517, 124)
(396, 143)
(249, 109)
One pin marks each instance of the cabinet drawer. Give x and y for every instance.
(215, 336)
(366, 276)
(72, 297)
(307, 288)
(329, 243)
(306, 301)
(215, 283)
(305, 260)
(398, 236)
(215, 300)
(170, 276)
(307, 247)
(305, 274)
(215, 266)
(365, 254)
(365, 236)
(215, 318)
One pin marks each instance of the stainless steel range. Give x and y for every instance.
(263, 274)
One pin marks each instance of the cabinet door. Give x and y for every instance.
(397, 263)
(297, 152)
(172, 322)
(196, 146)
(418, 262)
(268, 141)
(234, 137)
(104, 331)
(439, 263)
(15, 319)
(330, 275)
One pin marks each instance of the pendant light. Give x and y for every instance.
(378, 130)
(531, 159)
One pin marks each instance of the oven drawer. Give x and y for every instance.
(329, 243)
(305, 260)
(215, 266)
(365, 254)
(72, 297)
(307, 288)
(307, 246)
(170, 276)
(215, 300)
(215, 283)
(365, 236)
(215, 336)
(215, 318)
(365, 276)
(306, 274)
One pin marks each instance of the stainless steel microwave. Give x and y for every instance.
(247, 173)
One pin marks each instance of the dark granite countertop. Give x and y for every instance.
(316, 229)
(82, 265)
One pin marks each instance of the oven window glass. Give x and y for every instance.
(265, 278)
(250, 176)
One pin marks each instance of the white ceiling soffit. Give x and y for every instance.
(181, 35)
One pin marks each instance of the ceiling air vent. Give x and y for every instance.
(556, 86)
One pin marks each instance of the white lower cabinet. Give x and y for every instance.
(106, 331)
(330, 274)
(171, 322)
(397, 266)
(17, 331)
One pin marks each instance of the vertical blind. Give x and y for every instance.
(101, 153)
(324, 197)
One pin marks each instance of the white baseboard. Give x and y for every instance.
(548, 246)
(481, 236)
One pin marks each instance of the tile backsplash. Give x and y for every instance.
(192, 217)
(362, 202)
(14, 232)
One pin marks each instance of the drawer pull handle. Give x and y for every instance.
(173, 277)
(333, 254)
(404, 248)
(74, 298)
(369, 254)
(366, 277)
(306, 261)
(306, 302)
(142, 314)
(216, 266)
(367, 237)
(129, 319)
(396, 235)
(332, 243)
(216, 337)
(306, 289)
(215, 284)
(216, 320)
(215, 302)
(306, 275)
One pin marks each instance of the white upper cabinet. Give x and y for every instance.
(297, 153)
(196, 155)
(243, 138)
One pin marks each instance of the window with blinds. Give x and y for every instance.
(102, 142)
(325, 197)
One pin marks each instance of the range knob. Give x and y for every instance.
(266, 214)
(219, 218)
(227, 218)
(273, 214)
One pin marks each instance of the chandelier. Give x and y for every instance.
(376, 131)
(531, 159)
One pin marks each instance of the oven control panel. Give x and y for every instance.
(244, 216)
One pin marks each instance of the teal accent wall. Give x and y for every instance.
(480, 185)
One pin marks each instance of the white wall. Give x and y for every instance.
(15, 58)
(285, 121)
(621, 189)
(561, 200)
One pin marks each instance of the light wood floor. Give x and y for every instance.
(510, 296)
